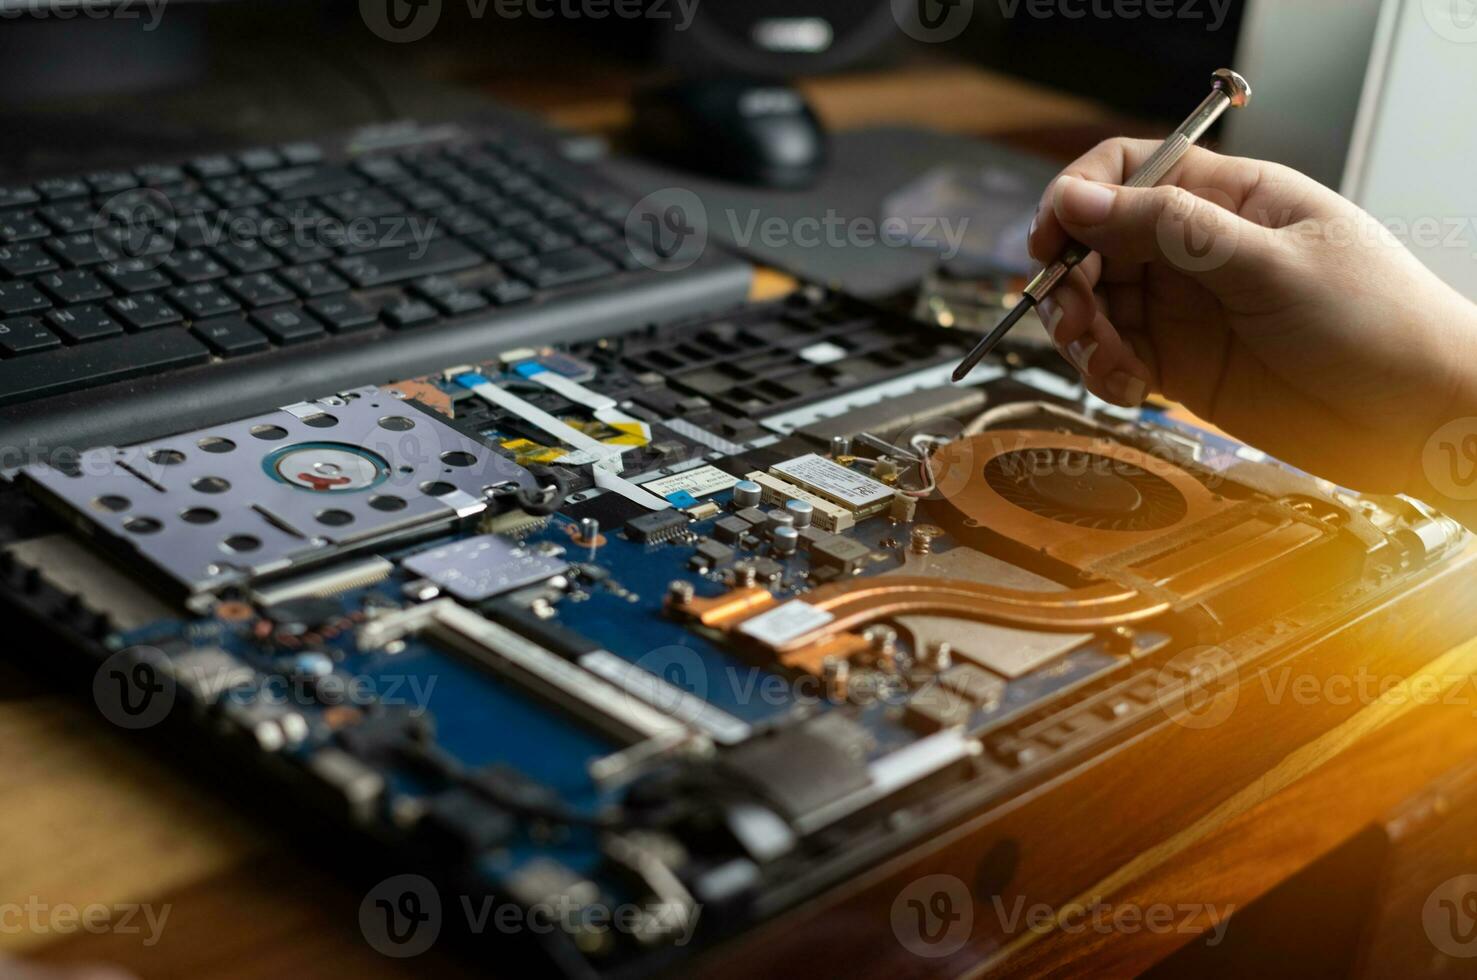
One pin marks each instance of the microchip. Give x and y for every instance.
(481, 567)
(712, 553)
(842, 554)
(974, 683)
(752, 516)
(730, 529)
(935, 707)
(654, 528)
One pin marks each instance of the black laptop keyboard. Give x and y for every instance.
(164, 266)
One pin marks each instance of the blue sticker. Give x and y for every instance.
(681, 499)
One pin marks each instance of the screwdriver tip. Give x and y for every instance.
(988, 343)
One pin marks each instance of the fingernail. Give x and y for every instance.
(1083, 202)
(1128, 389)
(1050, 312)
(1080, 352)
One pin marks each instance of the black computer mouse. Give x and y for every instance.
(747, 131)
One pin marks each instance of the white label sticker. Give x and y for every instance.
(699, 482)
(784, 623)
(833, 481)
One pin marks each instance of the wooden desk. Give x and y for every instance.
(87, 817)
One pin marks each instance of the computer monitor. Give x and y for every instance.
(1374, 98)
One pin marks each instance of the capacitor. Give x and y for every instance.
(840, 446)
(786, 540)
(802, 510)
(747, 493)
(589, 535)
(779, 519)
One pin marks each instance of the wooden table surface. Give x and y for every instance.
(89, 817)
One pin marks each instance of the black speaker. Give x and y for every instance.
(780, 38)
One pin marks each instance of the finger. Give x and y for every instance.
(1109, 366)
(1069, 311)
(1201, 238)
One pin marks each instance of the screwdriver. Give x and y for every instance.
(1228, 90)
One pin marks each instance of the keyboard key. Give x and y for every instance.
(367, 203)
(262, 289)
(25, 335)
(73, 216)
(133, 275)
(311, 181)
(209, 167)
(113, 359)
(21, 226)
(562, 268)
(409, 313)
(247, 256)
(25, 259)
(509, 291)
(229, 336)
(342, 313)
(258, 159)
(382, 170)
(448, 296)
(194, 265)
(314, 279)
(287, 324)
(202, 300)
(61, 188)
(541, 238)
(159, 174)
(82, 324)
(80, 249)
(298, 153)
(501, 246)
(21, 297)
(74, 286)
(236, 192)
(111, 181)
(407, 262)
(145, 311)
(13, 196)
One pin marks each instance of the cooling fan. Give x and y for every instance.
(1085, 489)
(1074, 498)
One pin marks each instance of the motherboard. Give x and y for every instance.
(695, 621)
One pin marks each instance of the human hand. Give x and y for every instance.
(1265, 303)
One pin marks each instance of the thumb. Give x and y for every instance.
(1198, 234)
